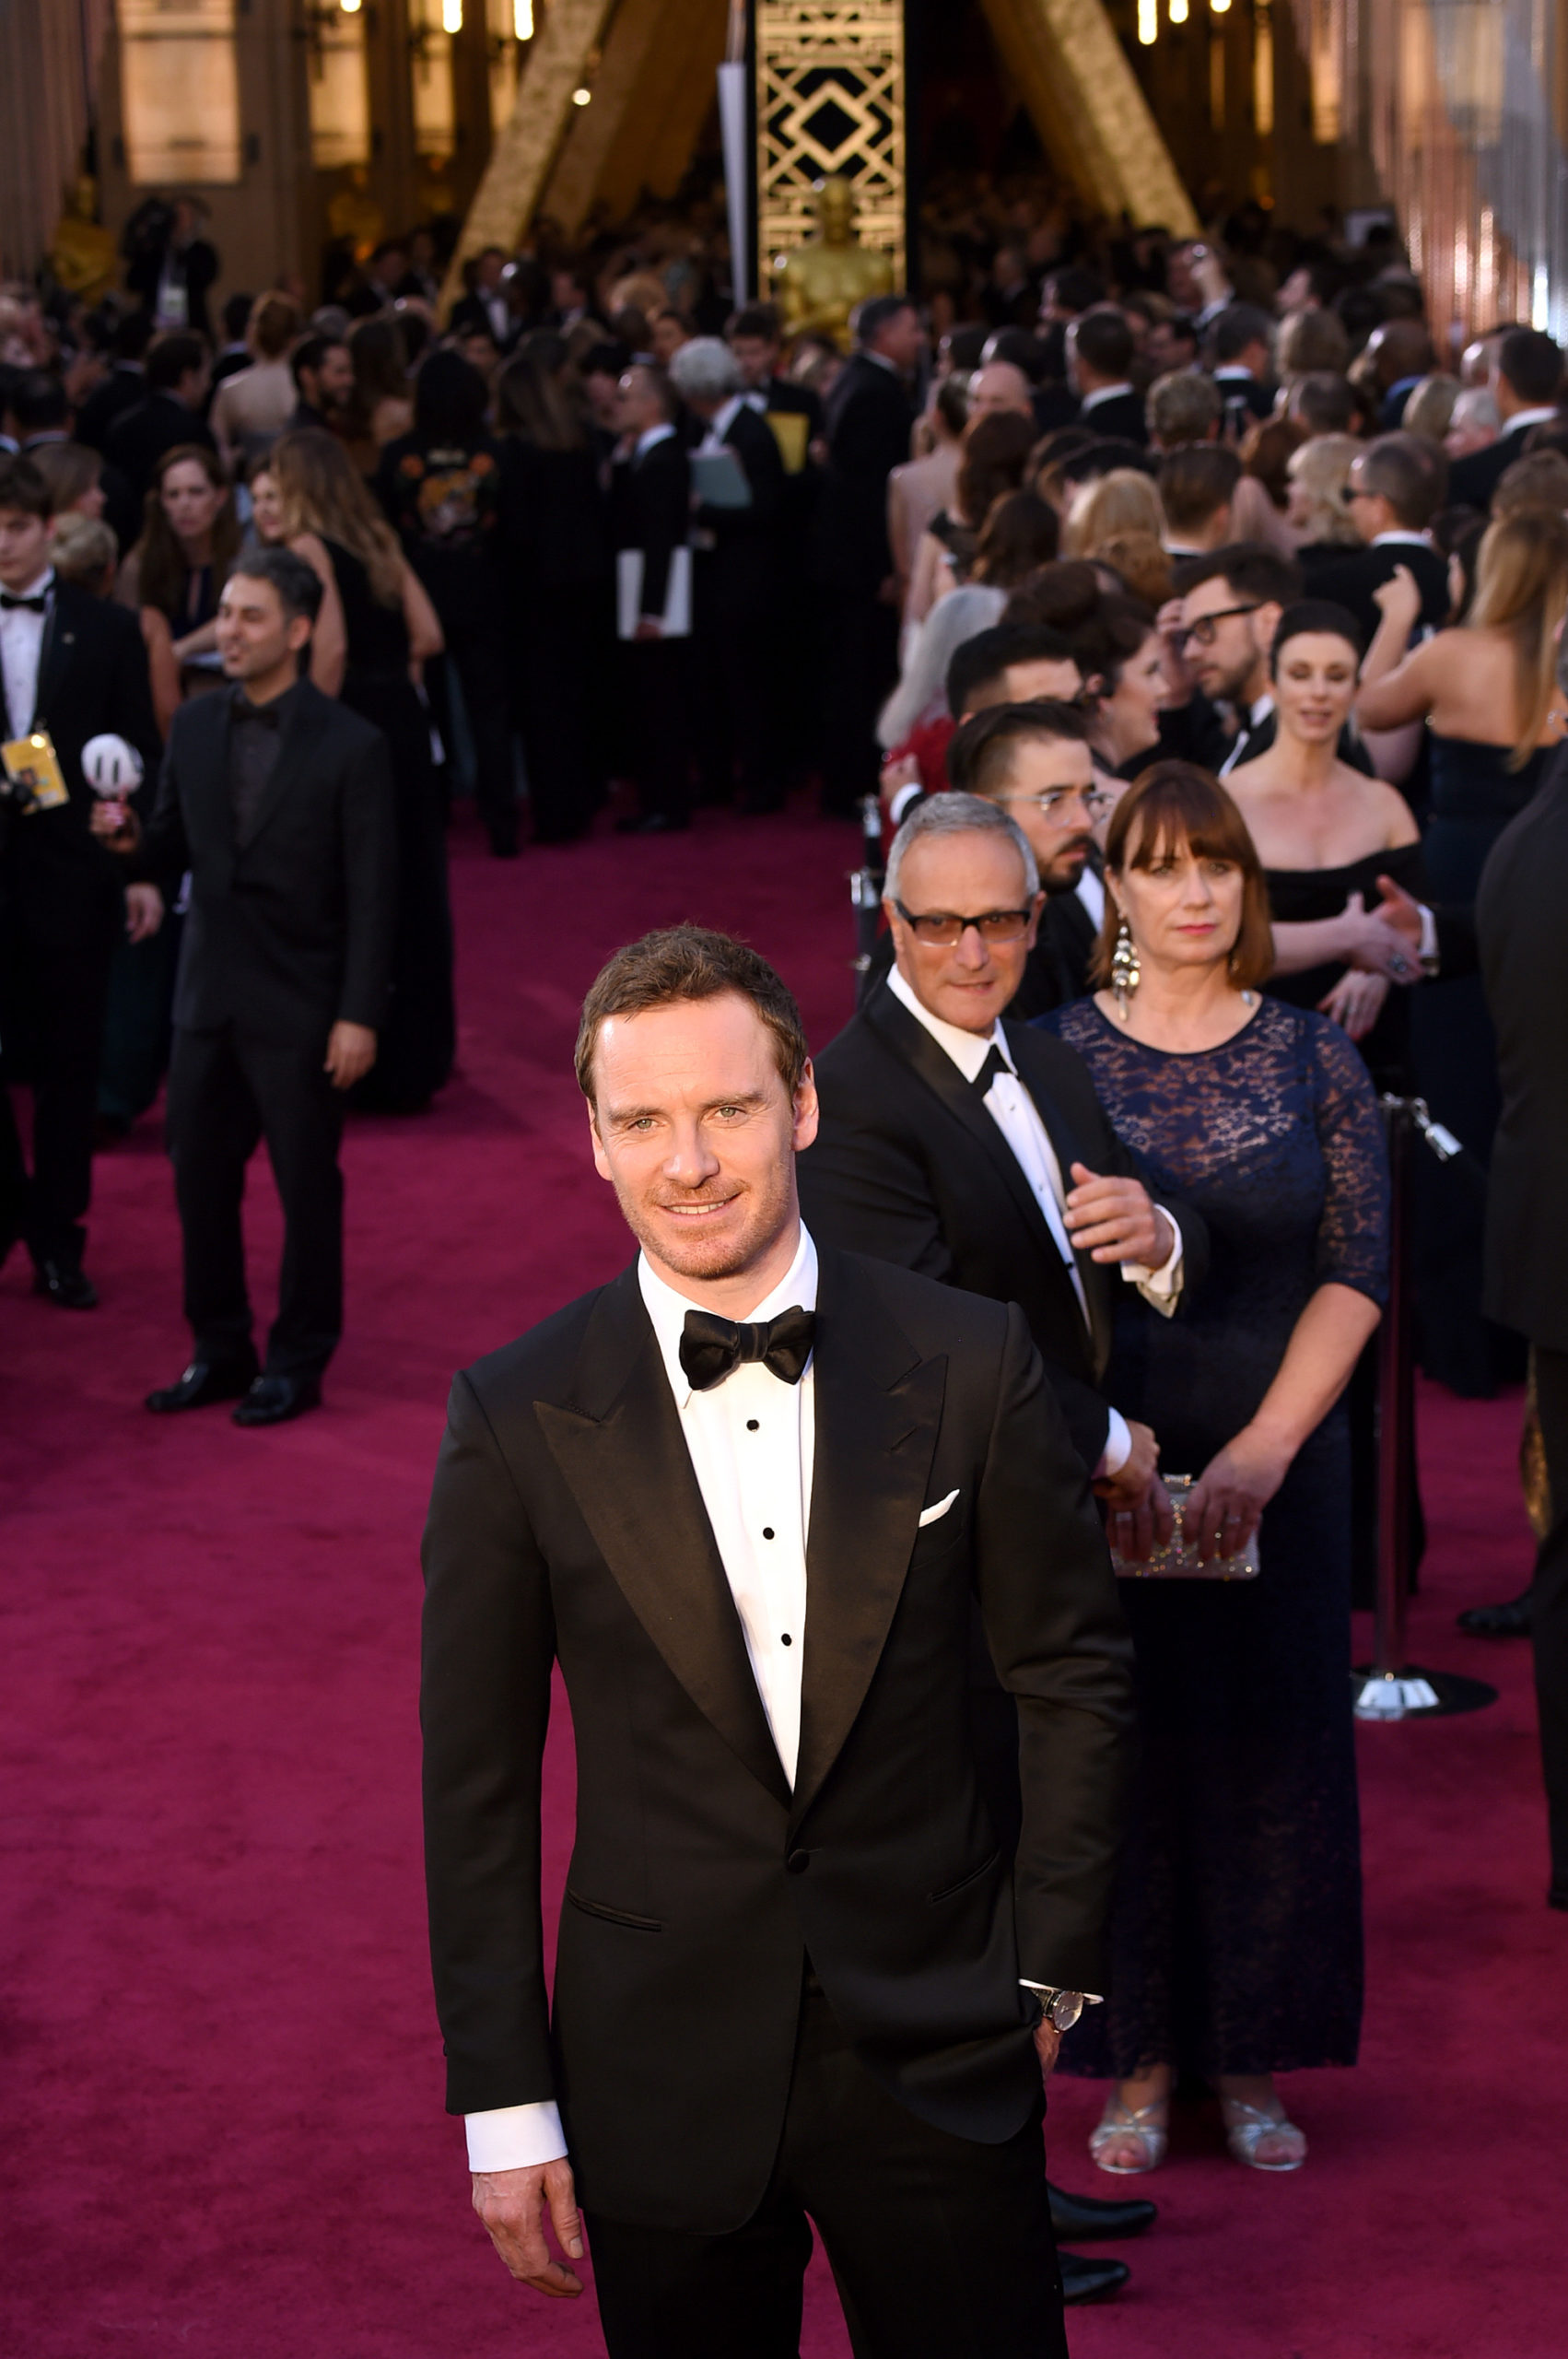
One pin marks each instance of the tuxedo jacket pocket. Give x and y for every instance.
(934, 1513)
(613, 1915)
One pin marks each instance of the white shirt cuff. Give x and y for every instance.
(1090, 1998)
(900, 803)
(514, 2137)
(1119, 1445)
(1162, 1287)
(1428, 951)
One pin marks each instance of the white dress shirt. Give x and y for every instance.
(1013, 1111)
(753, 1441)
(1257, 713)
(21, 649)
(1090, 890)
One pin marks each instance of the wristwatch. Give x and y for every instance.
(1061, 2009)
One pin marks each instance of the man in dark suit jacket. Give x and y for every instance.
(1526, 382)
(869, 418)
(74, 668)
(278, 801)
(1099, 371)
(125, 385)
(1398, 484)
(796, 1974)
(1524, 961)
(976, 1152)
(735, 570)
(170, 415)
(651, 530)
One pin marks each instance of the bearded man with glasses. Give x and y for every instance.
(1220, 631)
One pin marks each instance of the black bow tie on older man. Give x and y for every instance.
(713, 1348)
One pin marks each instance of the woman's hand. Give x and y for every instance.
(1357, 1002)
(1398, 599)
(1226, 1505)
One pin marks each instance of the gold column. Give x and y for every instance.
(680, 67)
(830, 98)
(619, 86)
(526, 148)
(1089, 110)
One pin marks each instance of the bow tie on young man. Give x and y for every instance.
(713, 1348)
(38, 606)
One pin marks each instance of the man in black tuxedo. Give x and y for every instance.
(171, 412)
(485, 307)
(1527, 382)
(323, 370)
(1100, 353)
(73, 667)
(755, 338)
(734, 569)
(1231, 604)
(869, 418)
(1239, 350)
(1398, 484)
(650, 529)
(279, 802)
(796, 420)
(125, 385)
(760, 1500)
(975, 1151)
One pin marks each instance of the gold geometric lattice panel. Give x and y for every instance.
(830, 98)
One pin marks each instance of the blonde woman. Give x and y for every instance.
(1115, 507)
(1318, 478)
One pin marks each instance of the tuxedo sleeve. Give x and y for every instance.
(369, 867)
(164, 854)
(489, 1643)
(864, 1190)
(1458, 950)
(664, 499)
(1059, 1646)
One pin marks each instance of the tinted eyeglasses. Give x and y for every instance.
(941, 931)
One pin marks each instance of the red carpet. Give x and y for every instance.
(223, 2127)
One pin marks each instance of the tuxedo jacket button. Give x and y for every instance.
(798, 1862)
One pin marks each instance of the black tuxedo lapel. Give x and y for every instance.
(878, 1411)
(302, 727)
(55, 657)
(655, 1537)
(1069, 1149)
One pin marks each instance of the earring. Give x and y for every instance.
(1125, 973)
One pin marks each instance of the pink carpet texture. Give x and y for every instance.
(223, 2126)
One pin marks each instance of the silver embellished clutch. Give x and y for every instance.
(1177, 1561)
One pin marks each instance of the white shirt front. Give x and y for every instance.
(1090, 890)
(721, 423)
(1257, 713)
(753, 1444)
(21, 650)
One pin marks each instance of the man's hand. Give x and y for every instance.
(351, 1052)
(1116, 1220)
(116, 825)
(512, 2205)
(1138, 1505)
(1047, 2047)
(1398, 599)
(144, 912)
(894, 776)
(1226, 1505)
(1384, 941)
(649, 627)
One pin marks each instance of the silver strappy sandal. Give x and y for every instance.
(1120, 2121)
(1247, 2125)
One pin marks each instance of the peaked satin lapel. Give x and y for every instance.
(619, 1446)
(302, 725)
(878, 1411)
(1071, 1148)
(915, 1046)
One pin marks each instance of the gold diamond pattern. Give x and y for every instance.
(814, 60)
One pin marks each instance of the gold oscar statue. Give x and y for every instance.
(82, 256)
(819, 285)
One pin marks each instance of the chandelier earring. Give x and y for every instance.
(1125, 975)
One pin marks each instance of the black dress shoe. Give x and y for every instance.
(202, 1384)
(66, 1282)
(272, 1399)
(1087, 2281)
(1084, 2217)
(1509, 1620)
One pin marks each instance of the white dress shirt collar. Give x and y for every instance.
(1525, 417)
(1399, 538)
(967, 1049)
(645, 442)
(667, 1309)
(723, 421)
(1103, 393)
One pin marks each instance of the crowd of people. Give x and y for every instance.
(1194, 619)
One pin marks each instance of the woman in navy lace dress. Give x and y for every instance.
(1236, 1938)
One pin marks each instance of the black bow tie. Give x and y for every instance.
(38, 606)
(713, 1348)
(995, 1063)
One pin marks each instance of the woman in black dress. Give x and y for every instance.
(1236, 1935)
(377, 627)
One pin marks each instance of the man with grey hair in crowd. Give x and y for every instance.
(737, 508)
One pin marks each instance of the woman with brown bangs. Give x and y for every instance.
(1236, 1936)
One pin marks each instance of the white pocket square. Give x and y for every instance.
(934, 1515)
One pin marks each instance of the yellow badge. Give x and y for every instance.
(32, 772)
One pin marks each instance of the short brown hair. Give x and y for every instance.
(22, 488)
(1174, 803)
(1195, 484)
(681, 963)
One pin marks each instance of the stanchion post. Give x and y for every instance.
(865, 894)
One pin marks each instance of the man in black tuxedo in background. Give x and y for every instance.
(759, 1499)
(755, 338)
(169, 414)
(976, 1152)
(73, 666)
(651, 523)
(1239, 350)
(1527, 384)
(869, 418)
(323, 370)
(795, 418)
(1398, 484)
(734, 571)
(1100, 353)
(278, 801)
(125, 385)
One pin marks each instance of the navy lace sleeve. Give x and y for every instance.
(1353, 1235)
